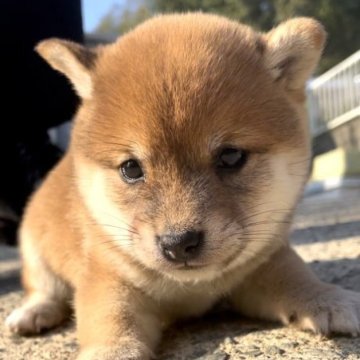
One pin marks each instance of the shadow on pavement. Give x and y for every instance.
(314, 234)
(9, 282)
(342, 272)
(8, 253)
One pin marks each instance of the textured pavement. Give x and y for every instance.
(326, 233)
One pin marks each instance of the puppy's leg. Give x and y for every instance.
(114, 320)
(47, 296)
(285, 289)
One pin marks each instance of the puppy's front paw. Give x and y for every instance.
(333, 310)
(126, 351)
(35, 316)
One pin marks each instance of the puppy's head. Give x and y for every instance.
(191, 146)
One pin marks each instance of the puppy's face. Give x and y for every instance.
(191, 147)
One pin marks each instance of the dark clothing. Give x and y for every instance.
(34, 96)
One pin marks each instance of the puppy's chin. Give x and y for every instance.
(193, 274)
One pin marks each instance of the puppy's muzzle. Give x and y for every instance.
(181, 247)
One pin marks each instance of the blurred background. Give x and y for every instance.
(107, 18)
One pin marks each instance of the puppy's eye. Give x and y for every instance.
(131, 171)
(231, 158)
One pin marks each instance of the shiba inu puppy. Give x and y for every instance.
(187, 158)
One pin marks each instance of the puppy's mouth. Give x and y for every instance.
(186, 266)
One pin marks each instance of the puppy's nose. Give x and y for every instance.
(181, 247)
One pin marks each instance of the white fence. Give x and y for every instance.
(334, 97)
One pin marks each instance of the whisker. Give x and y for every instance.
(120, 228)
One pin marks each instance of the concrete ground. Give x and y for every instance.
(327, 235)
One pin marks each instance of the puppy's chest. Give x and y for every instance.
(186, 300)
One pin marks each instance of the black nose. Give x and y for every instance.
(181, 247)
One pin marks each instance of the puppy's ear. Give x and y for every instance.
(292, 51)
(71, 59)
